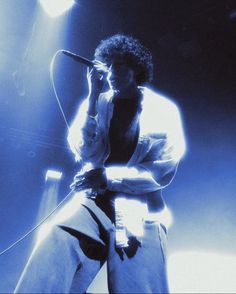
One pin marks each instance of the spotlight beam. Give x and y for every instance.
(55, 8)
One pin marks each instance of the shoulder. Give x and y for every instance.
(158, 102)
(159, 114)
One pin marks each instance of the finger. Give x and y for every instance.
(72, 186)
(79, 178)
(89, 71)
(95, 61)
(77, 186)
(95, 74)
(101, 67)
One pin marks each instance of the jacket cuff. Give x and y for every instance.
(113, 181)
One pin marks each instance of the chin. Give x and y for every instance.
(115, 89)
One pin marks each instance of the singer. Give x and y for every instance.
(128, 141)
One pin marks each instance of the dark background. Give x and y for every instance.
(193, 45)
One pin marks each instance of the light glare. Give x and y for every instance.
(56, 7)
(53, 174)
(202, 272)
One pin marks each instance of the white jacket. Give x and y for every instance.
(161, 144)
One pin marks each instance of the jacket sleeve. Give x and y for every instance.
(157, 167)
(84, 136)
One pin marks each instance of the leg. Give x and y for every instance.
(140, 268)
(64, 259)
(54, 265)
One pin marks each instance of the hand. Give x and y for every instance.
(96, 81)
(96, 77)
(93, 179)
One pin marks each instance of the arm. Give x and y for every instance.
(154, 169)
(158, 166)
(84, 135)
(145, 177)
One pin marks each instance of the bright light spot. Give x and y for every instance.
(56, 7)
(202, 272)
(130, 214)
(120, 172)
(164, 217)
(129, 217)
(168, 122)
(53, 174)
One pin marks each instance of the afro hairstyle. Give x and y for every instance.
(138, 57)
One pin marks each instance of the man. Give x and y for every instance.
(128, 141)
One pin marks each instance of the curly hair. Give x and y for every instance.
(137, 56)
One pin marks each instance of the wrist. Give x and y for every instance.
(92, 113)
(92, 109)
(93, 95)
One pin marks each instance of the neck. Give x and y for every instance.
(128, 92)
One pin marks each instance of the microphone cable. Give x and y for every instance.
(54, 88)
(37, 225)
(71, 192)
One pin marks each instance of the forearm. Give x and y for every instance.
(92, 108)
(95, 85)
(136, 181)
(84, 135)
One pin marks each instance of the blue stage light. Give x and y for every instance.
(56, 7)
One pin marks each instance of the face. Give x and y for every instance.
(121, 77)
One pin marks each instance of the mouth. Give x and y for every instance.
(114, 81)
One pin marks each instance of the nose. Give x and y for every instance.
(111, 71)
(114, 70)
(111, 67)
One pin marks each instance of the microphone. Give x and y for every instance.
(79, 58)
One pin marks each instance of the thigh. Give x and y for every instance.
(83, 215)
(140, 268)
(70, 249)
(56, 261)
(94, 255)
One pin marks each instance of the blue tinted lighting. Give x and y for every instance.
(56, 7)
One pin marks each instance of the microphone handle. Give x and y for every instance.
(79, 58)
